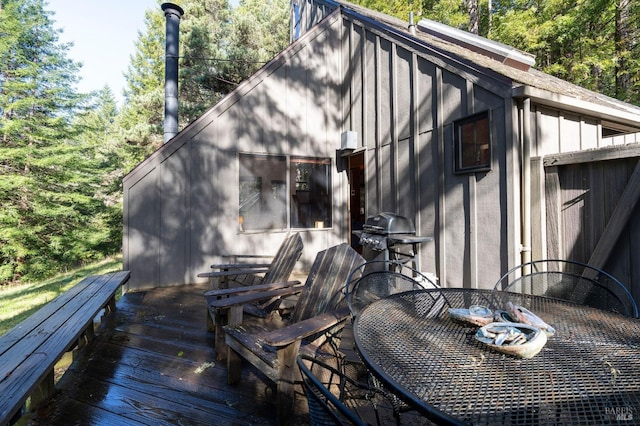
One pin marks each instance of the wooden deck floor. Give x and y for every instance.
(156, 366)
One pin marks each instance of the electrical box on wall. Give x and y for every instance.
(349, 140)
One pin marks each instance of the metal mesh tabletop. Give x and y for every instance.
(588, 373)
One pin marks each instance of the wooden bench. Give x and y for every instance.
(30, 351)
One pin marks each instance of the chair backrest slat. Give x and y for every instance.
(322, 292)
(284, 260)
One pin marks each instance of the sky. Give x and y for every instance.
(104, 33)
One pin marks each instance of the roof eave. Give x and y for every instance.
(579, 106)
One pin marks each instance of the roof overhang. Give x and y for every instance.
(623, 117)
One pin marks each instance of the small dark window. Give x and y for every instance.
(472, 143)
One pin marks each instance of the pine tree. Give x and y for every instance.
(592, 43)
(203, 57)
(219, 47)
(47, 174)
(258, 31)
(142, 115)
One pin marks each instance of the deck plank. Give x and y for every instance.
(150, 369)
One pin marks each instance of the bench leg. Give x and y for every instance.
(108, 317)
(90, 334)
(221, 346)
(111, 306)
(43, 392)
(85, 338)
(286, 397)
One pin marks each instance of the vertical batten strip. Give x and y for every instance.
(442, 215)
(394, 124)
(365, 94)
(473, 204)
(414, 139)
(378, 130)
(351, 73)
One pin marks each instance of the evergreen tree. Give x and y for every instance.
(203, 30)
(105, 160)
(592, 43)
(219, 47)
(142, 116)
(47, 174)
(258, 31)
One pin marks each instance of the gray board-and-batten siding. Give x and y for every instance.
(562, 118)
(355, 71)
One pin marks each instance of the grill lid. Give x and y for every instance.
(389, 223)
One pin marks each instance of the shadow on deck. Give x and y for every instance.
(157, 366)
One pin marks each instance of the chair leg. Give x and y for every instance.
(231, 316)
(285, 402)
(220, 345)
(210, 320)
(234, 366)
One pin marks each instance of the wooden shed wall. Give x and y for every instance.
(589, 210)
(181, 203)
(558, 131)
(579, 180)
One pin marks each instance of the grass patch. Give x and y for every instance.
(19, 301)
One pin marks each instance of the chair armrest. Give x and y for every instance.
(235, 257)
(305, 328)
(236, 291)
(232, 273)
(254, 297)
(225, 266)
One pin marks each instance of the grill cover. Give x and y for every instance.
(389, 223)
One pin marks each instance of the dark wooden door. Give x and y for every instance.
(357, 214)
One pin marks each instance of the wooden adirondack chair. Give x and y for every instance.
(278, 271)
(317, 319)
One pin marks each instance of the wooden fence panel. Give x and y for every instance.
(592, 215)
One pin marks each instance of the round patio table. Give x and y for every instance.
(588, 373)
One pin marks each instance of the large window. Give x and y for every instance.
(279, 192)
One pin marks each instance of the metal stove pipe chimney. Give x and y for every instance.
(172, 13)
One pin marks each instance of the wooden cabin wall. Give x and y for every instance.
(403, 105)
(402, 99)
(181, 208)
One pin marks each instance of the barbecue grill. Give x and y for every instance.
(390, 236)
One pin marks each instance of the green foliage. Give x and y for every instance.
(397, 8)
(19, 301)
(258, 31)
(143, 113)
(63, 154)
(219, 47)
(52, 212)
